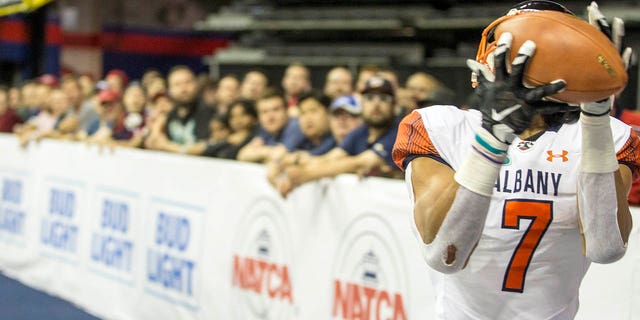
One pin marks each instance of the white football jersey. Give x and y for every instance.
(529, 261)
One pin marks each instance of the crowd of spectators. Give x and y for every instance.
(298, 132)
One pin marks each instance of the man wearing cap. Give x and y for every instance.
(344, 116)
(365, 151)
(110, 128)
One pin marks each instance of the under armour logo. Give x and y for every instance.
(562, 155)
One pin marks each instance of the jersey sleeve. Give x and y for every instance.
(629, 155)
(413, 141)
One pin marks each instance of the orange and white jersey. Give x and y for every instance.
(529, 261)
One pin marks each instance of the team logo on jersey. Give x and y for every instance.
(552, 156)
(525, 145)
(262, 283)
(369, 276)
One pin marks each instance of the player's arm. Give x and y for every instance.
(603, 184)
(434, 190)
(450, 208)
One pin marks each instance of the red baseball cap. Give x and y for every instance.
(108, 95)
(48, 79)
(121, 74)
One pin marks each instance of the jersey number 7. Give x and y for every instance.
(541, 214)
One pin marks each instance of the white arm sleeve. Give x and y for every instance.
(598, 207)
(597, 197)
(464, 222)
(460, 231)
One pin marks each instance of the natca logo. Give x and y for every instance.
(369, 274)
(261, 265)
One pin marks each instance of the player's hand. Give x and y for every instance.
(505, 102)
(614, 31)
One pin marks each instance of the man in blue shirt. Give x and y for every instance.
(365, 151)
(278, 133)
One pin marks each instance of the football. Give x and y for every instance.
(567, 48)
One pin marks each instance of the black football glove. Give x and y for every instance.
(505, 103)
(615, 33)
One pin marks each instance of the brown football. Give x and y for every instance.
(567, 48)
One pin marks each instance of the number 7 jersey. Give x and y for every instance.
(529, 261)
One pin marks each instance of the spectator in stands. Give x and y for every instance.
(314, 124)
(155, 86)
(296, 81)
(66, 124)
(339, 82)
(219, 127)
(160, 104)
(110, 129)
(15, 98)
(403, 101)
(88, 85)
(278, 132)
(159, 107)
(71, 87)
(208, 94)
(253, 85)
(149, 75)
(134, 98)
(228, 91)
(426, 90)
(71, 122)
(117, 79)
(365, 73)
(42, 93)
(50, 120)
(185, 124)
(135, 101)
(241, 120)
(243, 124)
(88, 113)
(344, 117)
(391, 75)
(30, 103)
(48, 80)
(365, 151)
(8, 116)
(40, 117)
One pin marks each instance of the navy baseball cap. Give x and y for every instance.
(377, 84)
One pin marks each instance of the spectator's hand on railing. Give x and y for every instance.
(277, 177)
(69, 125)
(277, 153)
(25, 137)
(102, 139)
(154, 141)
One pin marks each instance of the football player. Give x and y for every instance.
(513, 200)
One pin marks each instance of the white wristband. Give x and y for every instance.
(481, 167)
(598, 152)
